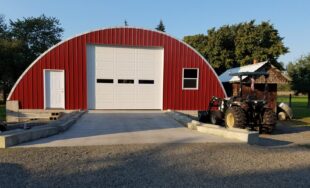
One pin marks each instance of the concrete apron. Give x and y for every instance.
(243, 135)
(109, 127)
(18, 136)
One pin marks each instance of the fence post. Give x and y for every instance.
(290, 101)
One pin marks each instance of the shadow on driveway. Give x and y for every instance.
(164, 165)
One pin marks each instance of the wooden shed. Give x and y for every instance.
(232, 83)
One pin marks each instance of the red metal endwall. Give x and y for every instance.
(71, 57)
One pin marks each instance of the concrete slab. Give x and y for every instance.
(18, 136)
(243, 135)
(130, 127)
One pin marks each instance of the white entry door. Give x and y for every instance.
(54, 88)
(124, 77)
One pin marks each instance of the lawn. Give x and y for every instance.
(299, 106)
(2, 112)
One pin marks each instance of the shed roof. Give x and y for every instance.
(225, 77)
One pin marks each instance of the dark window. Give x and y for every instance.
(124, 81)
(189, 83)
(105, 81)
(190, 78)
(190, 73)
(146, 81)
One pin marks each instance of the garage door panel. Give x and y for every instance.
(125, 97)
(105, 54)
(148, 99)
(137, 75)
(104, 95)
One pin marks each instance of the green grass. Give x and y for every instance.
(2, 112)
(299, 106)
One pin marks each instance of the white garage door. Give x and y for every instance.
(124, 77)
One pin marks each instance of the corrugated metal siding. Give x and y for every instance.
(71, 56)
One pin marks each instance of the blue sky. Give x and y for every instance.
(181, 17)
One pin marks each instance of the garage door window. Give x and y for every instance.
(106, 81)
(125, 81)
(146, 81)
(190, 78)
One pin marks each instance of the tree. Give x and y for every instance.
(3, 27)
(299, 71)
(161, 26)
(22, 42)
(261, 42)
(37, 34)
(199, 42)
(9, 58)
(239, 44)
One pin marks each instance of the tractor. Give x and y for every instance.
(242, 112)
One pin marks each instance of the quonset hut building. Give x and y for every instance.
(117, 68)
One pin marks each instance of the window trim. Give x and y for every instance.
(197, 79)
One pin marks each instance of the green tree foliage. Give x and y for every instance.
(199, 42)
(239, 44)
(10, 57)
(161, 26)
(37, 34)
(21, 42)
(3, 27)
(299, 71)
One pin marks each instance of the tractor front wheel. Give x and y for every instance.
(235, 117)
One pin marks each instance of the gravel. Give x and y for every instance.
(156, 165)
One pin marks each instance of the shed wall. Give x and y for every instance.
(259, 92)
(71, 57)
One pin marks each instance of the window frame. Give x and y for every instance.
(197, 79)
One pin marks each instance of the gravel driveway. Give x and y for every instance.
(156, 165)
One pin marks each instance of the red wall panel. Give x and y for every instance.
(71, 55)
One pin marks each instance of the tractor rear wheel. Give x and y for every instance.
(269, 120)
(235, 117)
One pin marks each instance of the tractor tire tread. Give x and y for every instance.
(269, 120)
(240, 116)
